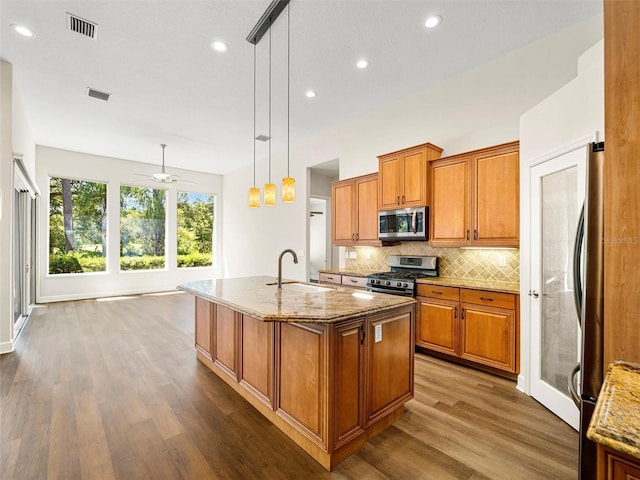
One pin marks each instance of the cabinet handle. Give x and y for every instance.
(353, 237)
(455, 312)
(475, 234)
(329, 278)
(353, 280)
(486, 299)
(357, 236)
(403, 199)
(467, 234)
(462, 313)
(362, 334)
(398, 200)
(436, 292)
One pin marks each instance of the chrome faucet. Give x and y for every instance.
(295, 260)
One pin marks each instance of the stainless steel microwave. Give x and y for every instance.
(404, 224)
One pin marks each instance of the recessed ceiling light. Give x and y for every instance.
(433, 21)
(24, 31)
(311, 93)
(362, 63)
(219, 46)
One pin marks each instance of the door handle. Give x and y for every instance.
(577, 268)
(573, 389)
(353, 237)
(361, 334)
(398, 200)
(475, 234)
(462, 313)
(533, 293)
(403, 199)
(467, 234)
(455, 312)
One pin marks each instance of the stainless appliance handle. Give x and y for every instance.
(403, 293)
(573, 387)
(414, 222)
(577, 270)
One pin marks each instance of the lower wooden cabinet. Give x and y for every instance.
(204, 325)
(475, 325)
(615, 465)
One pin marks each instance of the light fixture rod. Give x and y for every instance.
(288, 82)
(266, 20)
(163, 147)
(269, 106)
(254, 116)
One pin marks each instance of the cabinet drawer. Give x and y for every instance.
(492, 299)
(356, 282)
(436, 291)
(330, 278)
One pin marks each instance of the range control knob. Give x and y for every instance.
(399, 284)
(387, 282)
(378, 282)
(405, 285)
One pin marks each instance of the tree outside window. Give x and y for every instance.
(77, 226)
(142, 228)
(195, 229)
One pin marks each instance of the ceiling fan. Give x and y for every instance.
(162, 176)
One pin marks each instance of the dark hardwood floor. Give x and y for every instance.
(112, 389)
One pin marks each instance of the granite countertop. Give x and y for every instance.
(296, 302)
(502, 287)
(346, 271)
(616, 419)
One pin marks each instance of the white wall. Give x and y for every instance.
(479, 108)
(15, 137)
(61, 163)
(570, 117)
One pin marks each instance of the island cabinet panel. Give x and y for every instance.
(348, 380)
(488, 336)
(302, 375)
(225, 352)
(204, 320)
(257, 358)
(390, 355)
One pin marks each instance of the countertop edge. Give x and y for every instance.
(402, 302)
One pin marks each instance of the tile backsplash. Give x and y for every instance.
(467, 263)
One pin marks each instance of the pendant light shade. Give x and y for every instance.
(269, 194)
(288, 190)
(254, 197)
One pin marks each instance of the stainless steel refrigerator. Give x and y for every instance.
(586, 379)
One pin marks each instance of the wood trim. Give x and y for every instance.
(427, 145)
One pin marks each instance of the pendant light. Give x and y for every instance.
(254, 192)
(288, 183)
(269, 188)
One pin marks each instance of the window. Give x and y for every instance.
(142, 228)
(77, 226)
(195, 229)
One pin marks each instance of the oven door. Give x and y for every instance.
(404, 224)
(405, 292)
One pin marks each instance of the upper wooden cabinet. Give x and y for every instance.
(403, 178)
(354, 209)
(475, 198)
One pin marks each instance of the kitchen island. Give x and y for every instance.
(330, 366)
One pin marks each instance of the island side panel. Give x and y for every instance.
(390, 357)
(302, 379)
(257, 359)
(204, 325)
(225, 339)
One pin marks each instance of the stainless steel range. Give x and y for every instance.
(405, 270)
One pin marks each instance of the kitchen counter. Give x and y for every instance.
(296, 302)
(501, 287)
(329, 366)
(616, 419)
(347, 271)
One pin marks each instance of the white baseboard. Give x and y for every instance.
(88, 296)
(6, 347)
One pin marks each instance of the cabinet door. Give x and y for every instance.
(437, 325)
(203, 326)
(367, 210)
(450, 202)
(343, 212)
(225, 340)
(496, 198)
(615, 465)
(413, 189)
(389, 383)
(488, 336)
(389, 183)
(256, 371)
(349, 382)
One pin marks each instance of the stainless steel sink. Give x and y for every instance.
(301, 287)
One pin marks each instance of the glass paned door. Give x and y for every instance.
(557, 194)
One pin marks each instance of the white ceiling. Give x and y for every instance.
(169, 86)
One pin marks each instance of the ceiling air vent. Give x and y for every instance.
(98, 94)
(82, 26)
(262, 138)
